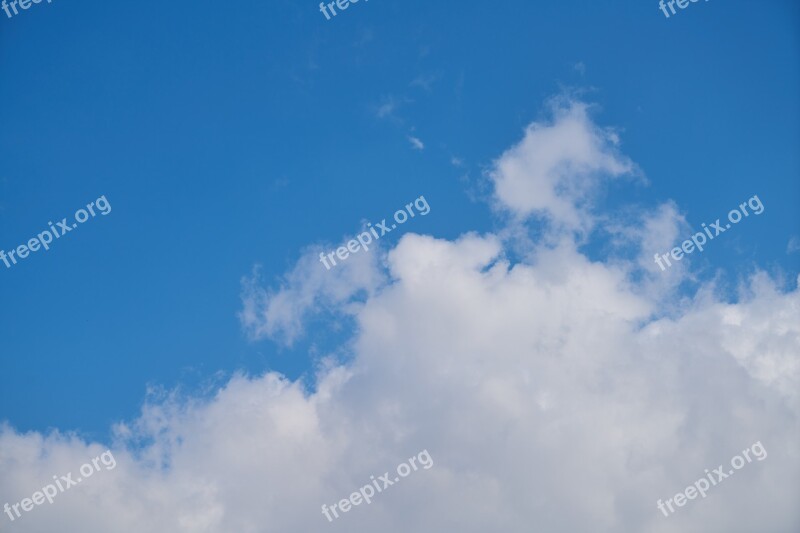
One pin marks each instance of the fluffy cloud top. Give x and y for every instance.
(557, 166)
(553, 394)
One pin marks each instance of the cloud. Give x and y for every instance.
(386, 109)
(424, 82)
(416, 143)
(550, 389)
(557, 166)
(793, 245)
(389, 106)
(637, 234)
(279, 313)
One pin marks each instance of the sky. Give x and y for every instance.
(517, 327)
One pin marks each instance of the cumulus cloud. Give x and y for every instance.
(551, 392)
(557, 166)
(637, 234)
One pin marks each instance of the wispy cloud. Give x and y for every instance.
(424, 82)
(389, 106)
(416, 143)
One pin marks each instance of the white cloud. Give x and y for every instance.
(279, 314)
(386, 109)
(389, 106)
(545, 392)
(416, 143)
(555, 169)
(646, 232)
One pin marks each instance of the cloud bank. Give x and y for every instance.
(553, 393)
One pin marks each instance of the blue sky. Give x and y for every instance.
(230, 135)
